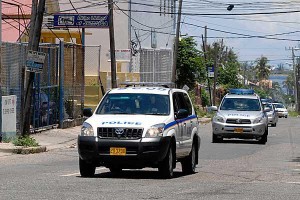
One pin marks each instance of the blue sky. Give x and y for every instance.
(274, 25)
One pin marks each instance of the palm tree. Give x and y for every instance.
(262, 68)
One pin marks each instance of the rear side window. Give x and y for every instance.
(182, 101)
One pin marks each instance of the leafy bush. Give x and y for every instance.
(25, 141)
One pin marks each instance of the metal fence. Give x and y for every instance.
(58, 90)
(156, 65)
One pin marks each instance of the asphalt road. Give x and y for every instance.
(233, 169)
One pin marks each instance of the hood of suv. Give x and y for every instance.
(133, 121)
(239, 114)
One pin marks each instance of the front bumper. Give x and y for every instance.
(282, 114)
(243, 131)
(145, 152)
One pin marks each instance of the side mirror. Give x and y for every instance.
(212, 108)
(87, 112)
(182, 113)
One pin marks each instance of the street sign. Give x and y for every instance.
(65, 20)
(122, 55)
(211, 71)
(35, 61)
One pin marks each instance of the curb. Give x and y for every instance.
(29, 150)
(23, 150)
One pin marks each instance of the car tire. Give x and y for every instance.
(264, 138)
(86, 169)
(166, 166)
(215, 139)
(189, 163)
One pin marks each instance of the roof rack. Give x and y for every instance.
(155, 84)
(241, 91)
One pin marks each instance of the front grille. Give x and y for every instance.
(238, 121)
(123, 133)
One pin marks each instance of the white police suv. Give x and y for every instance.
(137, 127)
(240, 115)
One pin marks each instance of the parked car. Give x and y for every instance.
(240, 115)
(137, 127)
(281, 110)
(272, 114)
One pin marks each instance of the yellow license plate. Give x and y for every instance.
(238, 130)
(117, 151)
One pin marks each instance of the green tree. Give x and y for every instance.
(289, 83)
(228, 74)
(190, 63)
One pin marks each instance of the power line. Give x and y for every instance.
(216, 14)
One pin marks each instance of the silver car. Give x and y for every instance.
(240, 115)
(272, 114)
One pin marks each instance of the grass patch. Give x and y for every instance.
(293, 114)
(25, 141)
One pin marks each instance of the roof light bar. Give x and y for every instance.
(241, 91)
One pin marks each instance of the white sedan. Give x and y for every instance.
(281, 110)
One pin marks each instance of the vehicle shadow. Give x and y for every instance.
(237, 141)
(137, 174)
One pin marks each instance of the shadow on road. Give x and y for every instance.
(237, 141)
(137, 174)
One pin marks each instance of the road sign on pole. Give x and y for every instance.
(35, 61)
(211, 71)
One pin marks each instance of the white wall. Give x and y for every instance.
(99, 36)
(161, 22)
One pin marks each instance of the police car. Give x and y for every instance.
(137, 127)
(240, 115)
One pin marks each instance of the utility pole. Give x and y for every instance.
(0, 70)
(205, 59)
(176, 42)
(34, 39)
(296, 66)
(112, 44)
(217, 55)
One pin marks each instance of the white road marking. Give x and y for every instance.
(294, 182)
(77, 174)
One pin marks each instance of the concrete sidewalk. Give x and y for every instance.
(47, 140)
(53, 139)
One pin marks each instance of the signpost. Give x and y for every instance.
(35, 61)
(63, 20)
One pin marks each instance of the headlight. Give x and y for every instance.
(258, 120)
(155, 130)
(87, 130)
(218, 118)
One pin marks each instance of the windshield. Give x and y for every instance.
(279, 106)
(145, 104)
(268, 106)
(240, 104)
